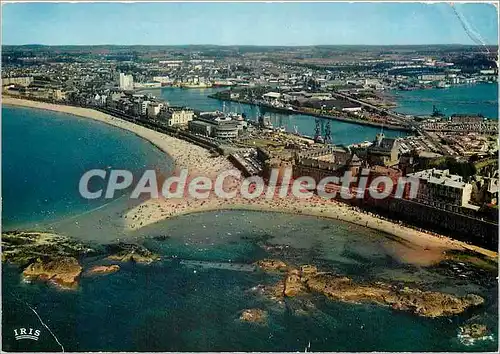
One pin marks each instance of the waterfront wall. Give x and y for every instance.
(462, 227)
(239, 164)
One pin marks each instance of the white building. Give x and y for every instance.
(177, 116)
(144, 107)
(126, 82)
(163, 79)
(441, 189)
(20, 81)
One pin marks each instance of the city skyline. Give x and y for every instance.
(257, 24)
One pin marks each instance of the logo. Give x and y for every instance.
(30, 333)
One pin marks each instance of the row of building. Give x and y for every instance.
(438, 188)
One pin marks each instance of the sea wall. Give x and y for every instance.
(458, 226)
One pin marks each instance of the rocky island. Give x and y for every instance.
(25, 247)
(45, 256)
(272, 265)
(56, 258)
(307, 279)
(129, 252)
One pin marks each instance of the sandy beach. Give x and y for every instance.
(421, 247)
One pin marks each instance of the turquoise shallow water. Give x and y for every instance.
(471, 99)
(44, 155)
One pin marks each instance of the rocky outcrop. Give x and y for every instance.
(24, 247)
(272, 265)
(63, 271)
(340, 288)
(54, 258)
(474, 330)
(104, 269)
(472, 333)
(126, 252)
(422, 303)
(293, 284)
(254, 316)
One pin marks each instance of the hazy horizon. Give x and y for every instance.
(247, 45)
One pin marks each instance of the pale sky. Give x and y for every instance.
(245, 23)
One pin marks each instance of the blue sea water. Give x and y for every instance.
(470, 99)
(45, 153)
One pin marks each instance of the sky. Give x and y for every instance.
(245, 23)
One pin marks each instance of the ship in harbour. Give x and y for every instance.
(198, 85)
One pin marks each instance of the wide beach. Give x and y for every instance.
(423, 248)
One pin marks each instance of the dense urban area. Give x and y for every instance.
(453, 156)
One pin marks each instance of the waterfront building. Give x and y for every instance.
(144, 107)
(163, 80)
(201, 127)
(126, 82)
(100, 100)
(443, 190)
(271, 97)
(485, 190)
(153, 109)
(19, 81)
(466, 118)
(138, 85)
(222, 129)
(176, 116)
(384, 151)
(325, 162)
(227, 130)
(432, 77)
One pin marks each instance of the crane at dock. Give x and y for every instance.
(317, 132)
(328, 134)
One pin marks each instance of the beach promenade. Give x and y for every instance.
(416, 247)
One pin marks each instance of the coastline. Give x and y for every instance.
(414, 246)
(176, 148)
(425, 248)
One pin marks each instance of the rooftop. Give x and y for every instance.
(442, 177)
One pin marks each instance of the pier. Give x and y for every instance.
(241, 267)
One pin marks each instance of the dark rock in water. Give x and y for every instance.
(471, 333)
(474, 330)
(469, 269)
(254, 316)
(130, 252)
(161, 237)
